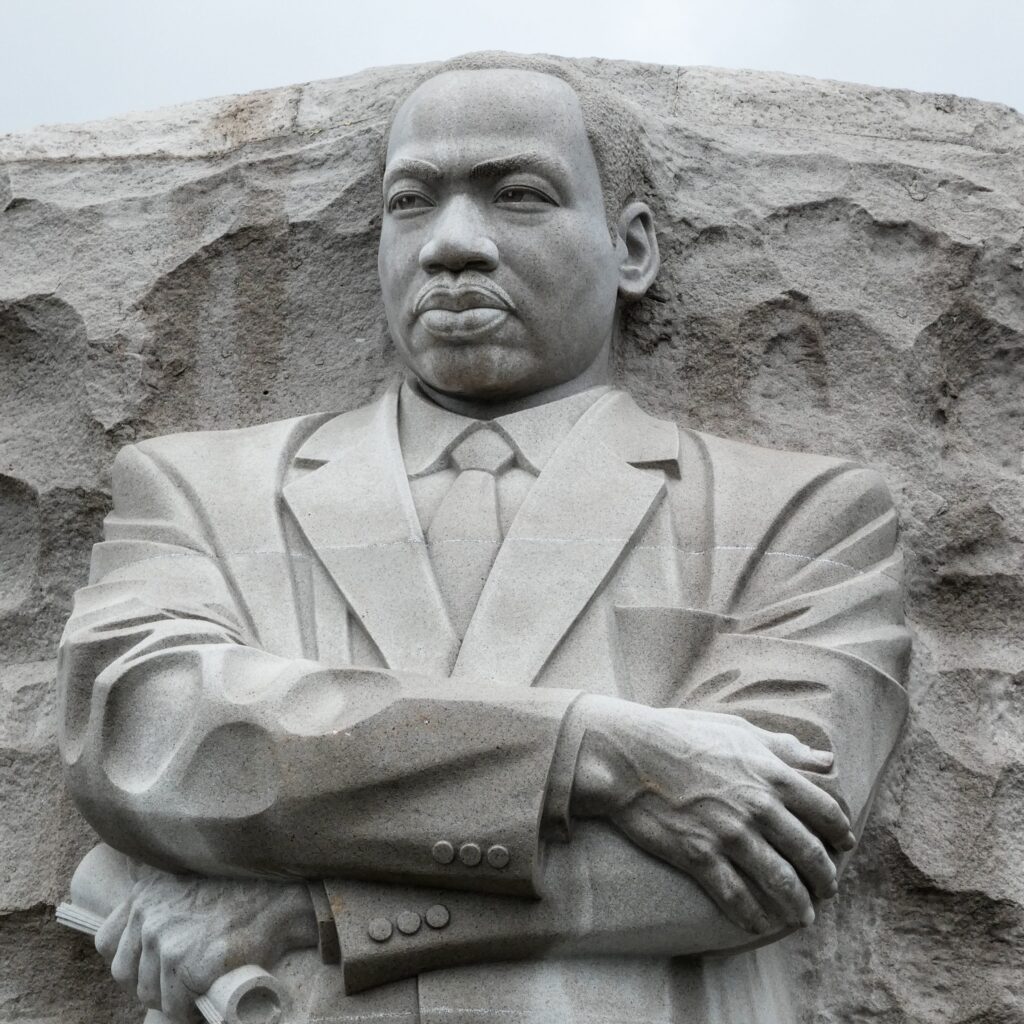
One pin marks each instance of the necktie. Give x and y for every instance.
(465, 534)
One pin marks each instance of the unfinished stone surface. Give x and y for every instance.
(842, 273)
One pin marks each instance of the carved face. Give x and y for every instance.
(500, 278)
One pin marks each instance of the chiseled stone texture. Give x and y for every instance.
(844, 273)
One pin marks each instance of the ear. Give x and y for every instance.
(637, 243)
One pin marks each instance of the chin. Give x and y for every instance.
(476, 371)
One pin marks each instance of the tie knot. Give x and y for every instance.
(484, 449)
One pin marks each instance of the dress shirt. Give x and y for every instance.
(428, 433)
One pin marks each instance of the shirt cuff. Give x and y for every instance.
(556, 819)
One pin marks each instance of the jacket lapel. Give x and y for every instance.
(357, 514)
(587, 506)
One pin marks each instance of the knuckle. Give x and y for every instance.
(171, 961)
(731, 894)
(786, 782)
(787, 876)
(174, 950)
(822, 861)
(702, 859)
(761, 805)
(839, 817)
(150, 934)
(700, 855)
(783, 877)
(820, 872)
(732, 832)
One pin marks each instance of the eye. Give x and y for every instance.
(523, 194)
(404, 201)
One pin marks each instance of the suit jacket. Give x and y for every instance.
(261, 678)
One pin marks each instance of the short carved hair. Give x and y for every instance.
(616, 134)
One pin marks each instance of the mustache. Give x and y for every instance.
(467, 291)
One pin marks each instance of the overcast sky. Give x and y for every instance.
(74, 60)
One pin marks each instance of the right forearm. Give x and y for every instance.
(743, 810)
(225, 760)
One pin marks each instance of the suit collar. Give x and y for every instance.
(636, 436)
(597, 490)
(572, 531)
(357, 514)
(428, 432)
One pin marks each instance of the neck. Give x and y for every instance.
(595, 375)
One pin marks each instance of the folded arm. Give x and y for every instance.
(810, 648)
(188, 747)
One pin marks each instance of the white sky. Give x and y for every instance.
(73, 60)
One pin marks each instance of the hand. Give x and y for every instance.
(175, 935)
(718, 798)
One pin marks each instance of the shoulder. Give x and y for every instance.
(209, 460)
(777, 477)
(803, 505)
(209, 451)
(730, 457)
(200, 445)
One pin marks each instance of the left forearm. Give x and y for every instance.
(602, 896)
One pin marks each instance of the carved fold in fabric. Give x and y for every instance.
(661, 565)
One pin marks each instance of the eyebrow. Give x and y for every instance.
(414, 168)
(502, 165)
(486, 169)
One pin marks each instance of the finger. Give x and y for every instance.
(178, 998)
(109, 935)
(701, 861)
(796, 754)
(775, 875)
(148, 985)
(802, 849)
(819, 811)
(733, 895)
(124, 967)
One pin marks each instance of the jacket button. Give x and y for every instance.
(438, 916)
(443, 852)
(408, 922)
(498, 857)
(470, 855)
(379, 929)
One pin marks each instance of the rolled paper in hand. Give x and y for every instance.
(246, 995)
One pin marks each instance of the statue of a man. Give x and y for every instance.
(520, 701)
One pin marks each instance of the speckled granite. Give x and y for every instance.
(842, 273)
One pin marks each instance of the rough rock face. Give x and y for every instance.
(844, 272)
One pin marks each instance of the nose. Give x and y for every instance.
(458, 240)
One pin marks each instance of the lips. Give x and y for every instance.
(463, 309)
(460, 300)
(464, 323)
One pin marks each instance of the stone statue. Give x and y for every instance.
(518, 703)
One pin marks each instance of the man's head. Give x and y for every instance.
(499, 273)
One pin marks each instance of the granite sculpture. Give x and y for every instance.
(549, 701)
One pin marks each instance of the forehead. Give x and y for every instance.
(479, 114)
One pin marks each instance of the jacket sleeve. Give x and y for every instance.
(187, 747)
(810, 641)
(813, 640)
